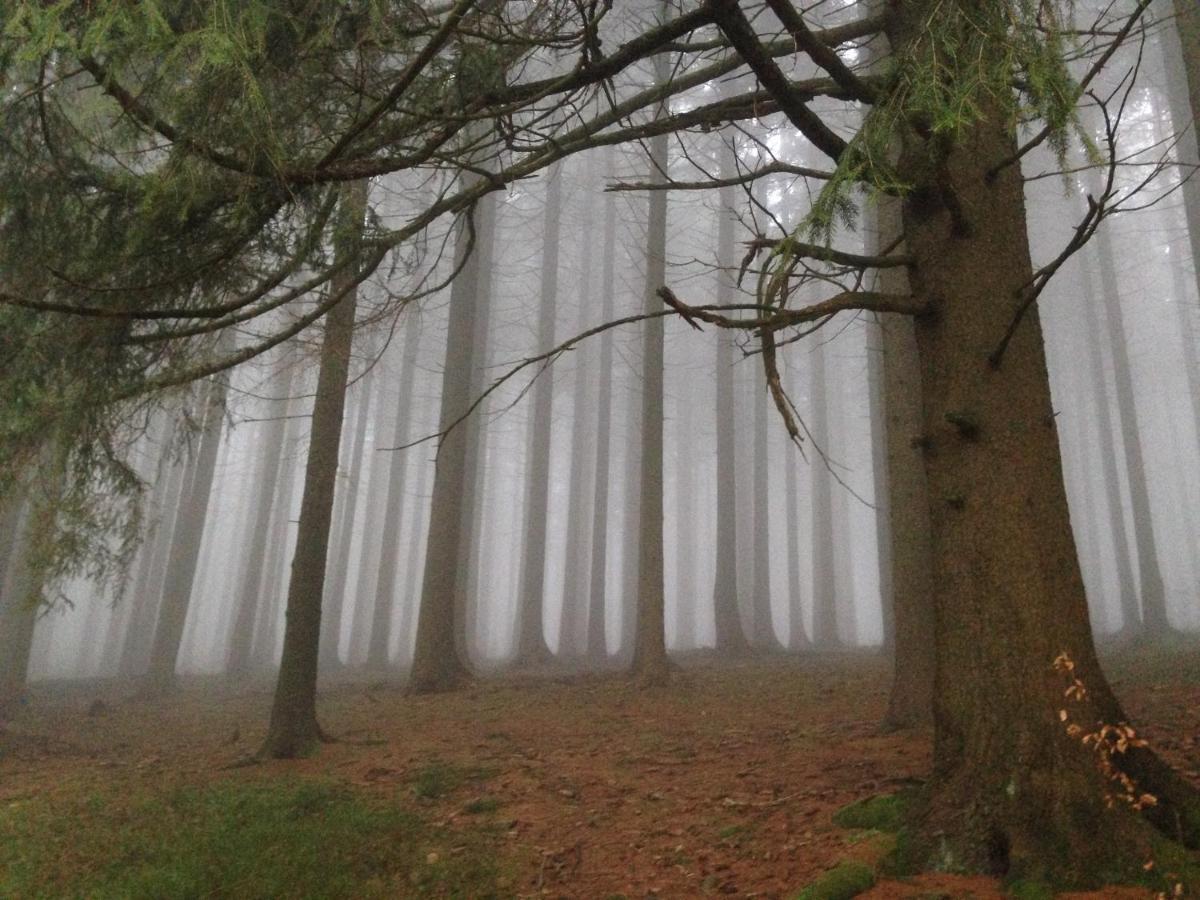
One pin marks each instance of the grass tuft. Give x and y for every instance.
(843, 881)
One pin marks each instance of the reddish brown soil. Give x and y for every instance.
(721, 784)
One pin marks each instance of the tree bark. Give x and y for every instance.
(597, 644)
(730, 638)
(531, 597)
(650, 663)
(764, 637)
(438, 664)
(1012, 792)
(293, 729)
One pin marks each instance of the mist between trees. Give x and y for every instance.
(291, 385)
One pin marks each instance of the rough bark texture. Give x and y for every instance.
(185, 547)
(1011, 792)
(907, 589)
(531, 596)
(18, 610)
(293, 729)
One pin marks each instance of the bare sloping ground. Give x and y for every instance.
(722, 784)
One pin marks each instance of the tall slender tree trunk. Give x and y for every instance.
(597, 645)
(650, 663)
(417, 540)
(438, 664)
(824, 599)
(877, 406)
(764, 637)
(293, 728)
(797, 635)
(685, 527)
(385, 588)
(383, 428)
(729, 638)
(531, 597)
(171, 476)
(185, 546)
(1127, 594)
(475, 476)
(345, 512)
(1151, 590)
(266, 479)
(572, 634)
(31, 509)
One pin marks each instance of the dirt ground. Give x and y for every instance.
(721, 784)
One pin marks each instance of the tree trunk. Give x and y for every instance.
(385, 589)
(597, 645)
(904, 550)
(764, 628)
(730, 638)
(31, 508)
(438, 664)
(797, 635)
(266, 479)
(1012, 792)
(824, 599)
(335, 592)
(1089, 311)
(369, 557)
(185, 546)
(650, 649)
(531, 640)
(572, 636)
(293, 729)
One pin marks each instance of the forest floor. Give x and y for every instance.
(723, 783)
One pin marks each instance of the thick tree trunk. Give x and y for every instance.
(727, 617)
(650, 650)
(185, 547)
(293, 728)
(597, 644)
(531, 596)
(1012, 791)
(266, 480)
(385, 587)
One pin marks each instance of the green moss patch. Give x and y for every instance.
(843, 881)
(884, 812)
(274, 839)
